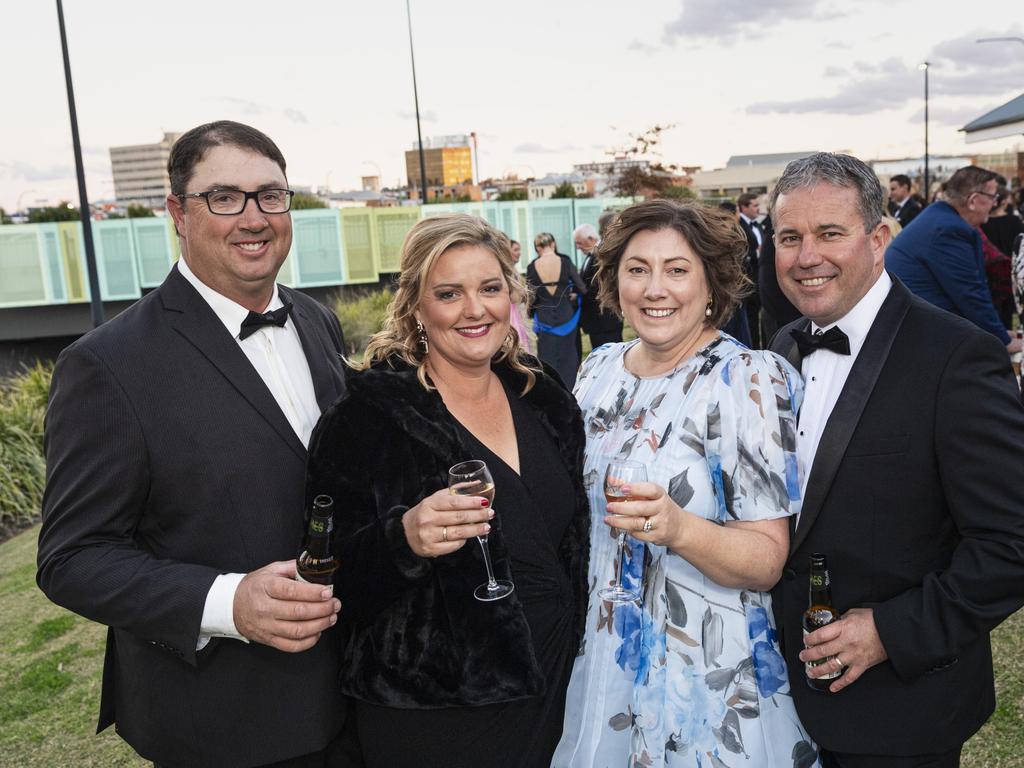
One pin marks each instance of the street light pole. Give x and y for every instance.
(96, 300)
(927, 188)
(416, 99)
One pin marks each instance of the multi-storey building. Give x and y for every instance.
(140, 172)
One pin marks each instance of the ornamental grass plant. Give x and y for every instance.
(22, 467)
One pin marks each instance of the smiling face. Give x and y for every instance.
(238, 256)
(663, 290)
(824, 259)
(464, 308)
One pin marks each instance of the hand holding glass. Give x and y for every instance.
(617, 476)
(472, 478)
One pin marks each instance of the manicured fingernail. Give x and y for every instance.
(490, 514)
(334, 619)
(487, 528)
(484, 503)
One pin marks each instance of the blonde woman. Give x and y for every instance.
(439, 677)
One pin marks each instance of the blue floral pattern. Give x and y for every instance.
(692, 675)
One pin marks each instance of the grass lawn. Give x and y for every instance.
(50, 662)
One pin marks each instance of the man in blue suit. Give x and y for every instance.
(939, 258)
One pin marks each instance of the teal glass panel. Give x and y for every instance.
(153, 251)
(115, 260)
(316, 247)
(24, 281)
(50, 243)
(556, 217)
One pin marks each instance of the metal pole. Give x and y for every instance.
(416, 99)
(927, 188)
(83, 199)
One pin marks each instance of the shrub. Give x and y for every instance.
(362, 317)
(22, 466)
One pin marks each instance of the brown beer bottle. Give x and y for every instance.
(820, 613)
(316, 562)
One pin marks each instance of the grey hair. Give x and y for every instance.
(839, 171)
(586, 230)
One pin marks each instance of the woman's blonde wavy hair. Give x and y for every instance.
(423, 246)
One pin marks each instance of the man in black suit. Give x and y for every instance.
(902, 205)
(910, 436)
(176, 446)
(776, 309)
(749, 211)
(602, 326)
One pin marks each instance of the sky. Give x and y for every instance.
(543, 83)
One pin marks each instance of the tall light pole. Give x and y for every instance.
(927, 189)
(416, 99)
(96, 301)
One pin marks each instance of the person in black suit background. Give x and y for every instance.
(602, 327)
(910, 434)
(902, 205)
(749, 211)
(176, 455)
(776, 309)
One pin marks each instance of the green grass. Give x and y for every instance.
(50, 664)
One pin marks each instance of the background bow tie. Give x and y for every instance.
(254, 320)
(833, 339)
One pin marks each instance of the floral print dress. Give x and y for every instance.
(692, 674)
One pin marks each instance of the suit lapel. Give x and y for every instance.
(325, 364)
(192, 317)
(850, 405)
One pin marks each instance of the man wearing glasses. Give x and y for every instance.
(939, 257)
(176, 445)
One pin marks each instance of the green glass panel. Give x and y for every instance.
(73, 254)
(115, 260)
(51, 256)
(554, 216)
(23, 281)
(359, 245)
(152, 250)
(316, 247)
(393, 224)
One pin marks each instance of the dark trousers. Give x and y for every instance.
(605, 337)
(949, 759)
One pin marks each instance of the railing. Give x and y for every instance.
(44, 264)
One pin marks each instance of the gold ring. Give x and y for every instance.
(444, 533)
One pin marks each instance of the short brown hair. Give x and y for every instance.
(967, 181)
(190, 149)
(425, 243)
(713, 234)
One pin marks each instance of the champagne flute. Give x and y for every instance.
(618, 475)
(472, 478)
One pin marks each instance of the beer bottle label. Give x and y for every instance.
(298, 577)
(809, 665)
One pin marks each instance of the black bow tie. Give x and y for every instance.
(833, 339)
(254, 320)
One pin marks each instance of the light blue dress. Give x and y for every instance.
(693, 675)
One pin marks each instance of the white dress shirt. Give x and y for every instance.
(825, 373)
(757, 230)
(276, 354)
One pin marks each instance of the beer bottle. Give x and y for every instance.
(316, 562)
(820, 613)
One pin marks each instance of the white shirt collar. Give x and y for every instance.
(230, 313)
(857, 322)
(747, 219)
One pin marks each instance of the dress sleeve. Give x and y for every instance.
(751, 437)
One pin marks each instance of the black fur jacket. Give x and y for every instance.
(411, 632)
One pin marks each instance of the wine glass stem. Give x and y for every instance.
(622, 559)
(492, 584)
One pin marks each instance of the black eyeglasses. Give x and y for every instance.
(987, 194)
(230, 202)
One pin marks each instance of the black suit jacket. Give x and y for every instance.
(914, 497)
(752, 249)
(905, 214)
(169, 462)
(773, 300)
(592, 318)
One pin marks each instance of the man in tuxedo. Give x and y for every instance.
(749, 210)
(910, 435)
(940, 257)
(902, 205)
(602, 326)
(176, 445)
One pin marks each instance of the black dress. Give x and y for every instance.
(533, 510)
(553, 306)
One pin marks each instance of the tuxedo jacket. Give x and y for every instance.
(773, 300)
(169, 462)
(905, 214)
(592, 318)
(752, 256)
(914, 497)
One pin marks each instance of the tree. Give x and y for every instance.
(677, 192)
(512, 194)
(4, 218)
(139, 212)
(563, 191)
(63, 211)
(654, 180)
(304, 202)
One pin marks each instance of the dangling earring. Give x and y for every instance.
(422, 337)
(707, 311)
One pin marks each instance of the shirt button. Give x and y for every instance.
(801, 433)
(814, 378)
